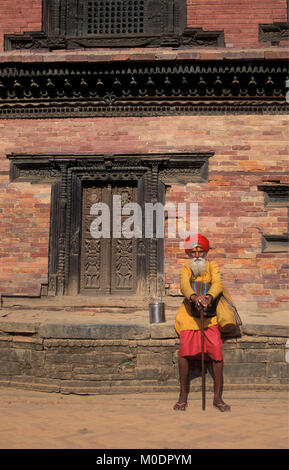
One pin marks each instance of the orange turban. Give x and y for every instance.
(195, 240)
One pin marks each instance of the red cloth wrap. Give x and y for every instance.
(200, 239)
(190, 343)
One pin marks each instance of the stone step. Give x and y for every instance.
(85, 301)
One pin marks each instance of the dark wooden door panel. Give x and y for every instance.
(123, 250)
(94, 277)
(108, 265)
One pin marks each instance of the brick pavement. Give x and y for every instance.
(38, 420)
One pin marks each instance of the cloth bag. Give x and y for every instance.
(227, 314)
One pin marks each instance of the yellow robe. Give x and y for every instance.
(184, 320)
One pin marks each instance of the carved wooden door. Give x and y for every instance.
(108, 264)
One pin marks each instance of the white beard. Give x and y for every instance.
(198, 266)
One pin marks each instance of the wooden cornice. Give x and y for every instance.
(82, 89)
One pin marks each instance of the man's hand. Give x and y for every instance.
(202, 301)
(207, 300)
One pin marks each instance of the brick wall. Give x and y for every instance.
(248, 151)
(239, 19)
(19, 16)
(24, 228)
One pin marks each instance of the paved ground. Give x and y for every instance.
(37, 420)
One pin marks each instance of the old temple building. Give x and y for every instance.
(140, 102)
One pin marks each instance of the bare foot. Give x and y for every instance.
(182, 404)
(221, 405)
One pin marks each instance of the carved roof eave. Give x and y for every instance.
(142, 88)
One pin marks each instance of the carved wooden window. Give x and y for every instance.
(113, 17)
(276, 195)
(275, 243)
(70, 24)
(275, 32)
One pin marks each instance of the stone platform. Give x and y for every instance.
(72, 345)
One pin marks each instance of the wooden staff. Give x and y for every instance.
(203, 359)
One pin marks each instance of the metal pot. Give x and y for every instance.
(157, 312)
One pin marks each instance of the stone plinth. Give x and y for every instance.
(89, 354)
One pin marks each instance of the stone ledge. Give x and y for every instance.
(266, 330)
(126, 329)
(93, 331)
(166, 330)
(95, 358)
(19, 327)
(162, 330)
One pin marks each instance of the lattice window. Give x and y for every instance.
(114, 17)
(82, 18)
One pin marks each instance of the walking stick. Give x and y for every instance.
(203, 360)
